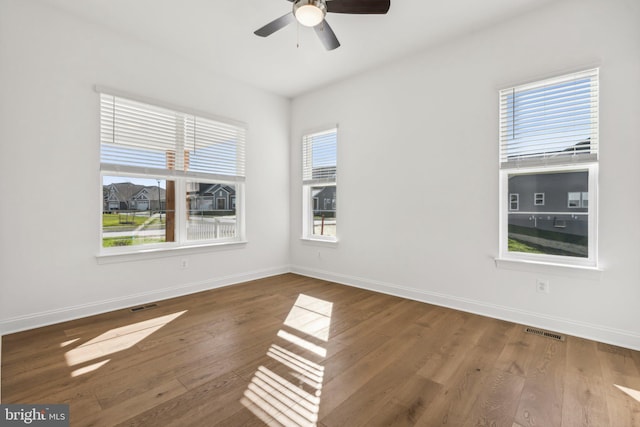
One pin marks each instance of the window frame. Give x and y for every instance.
(539, 162)
(592, 229)
(180, 180)
(512, 201)
(578, 201)
(584, 199)
(181, 212)
(308, 184)
(536, 200)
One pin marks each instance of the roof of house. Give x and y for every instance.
(127, 190)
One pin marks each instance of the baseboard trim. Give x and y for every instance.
(36, 320)
(618, 337)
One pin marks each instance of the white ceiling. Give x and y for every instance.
(218, 34)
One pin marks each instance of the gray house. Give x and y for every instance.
(126, 196)
(324, 198)
(324, 201)
(212, 197)
(556, 202)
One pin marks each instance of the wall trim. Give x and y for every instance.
(618, 337)
(50, 317)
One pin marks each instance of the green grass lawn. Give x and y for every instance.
(128, 222)
(551, 235)
(109, 242)
(122, 219)
(516, 246)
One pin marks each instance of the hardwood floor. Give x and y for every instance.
(294, 351)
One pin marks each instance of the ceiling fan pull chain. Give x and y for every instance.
(298, 35)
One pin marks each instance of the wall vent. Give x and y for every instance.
(553, 335)
(143, 307)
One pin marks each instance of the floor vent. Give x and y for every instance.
(553, 335)
(144, 307)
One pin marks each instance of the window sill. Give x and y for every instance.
(578, 271)
(144, 254)
(319, 242)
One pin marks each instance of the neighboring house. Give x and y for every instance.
(125, 196)
(582, 146)
(326, 172)
(324, 198)
(212, 197)
(324, 201)
(554, 202)
(147, 199)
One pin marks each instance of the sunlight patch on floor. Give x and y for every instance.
(291, 396)
(311, 316)
(69, 342)
(113, 341)
(631, 392)
(299, 370)
(89, 368)
(307, 345)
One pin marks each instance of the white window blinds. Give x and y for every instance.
(319, 157)
(550, 122)
(139, 137)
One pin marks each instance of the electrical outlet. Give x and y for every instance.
(184, 263)
(542, 286)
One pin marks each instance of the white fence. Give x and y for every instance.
(200, 228)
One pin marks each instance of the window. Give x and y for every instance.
(574, 200)
(549, 154)
(578, 199)
(319, 171)
(585, 199)
(169, 178)
(559, 223)
(514, 201)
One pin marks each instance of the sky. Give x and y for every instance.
(106, 180)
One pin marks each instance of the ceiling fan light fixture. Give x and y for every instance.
(309, 12)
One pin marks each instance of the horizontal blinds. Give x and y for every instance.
(215, 146)
(319, 157)
(139, 137)
(551, 121)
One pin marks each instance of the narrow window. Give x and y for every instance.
(514, 201)
(319, 185)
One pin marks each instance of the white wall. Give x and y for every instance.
(419, 136)
(437, 239)
(49, 169)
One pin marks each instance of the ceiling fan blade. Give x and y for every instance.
(372, 7)
(275, 25)
(326, 35)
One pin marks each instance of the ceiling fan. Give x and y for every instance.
(311, 13)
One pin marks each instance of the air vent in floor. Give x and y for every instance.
(144, 307)
(553, 335)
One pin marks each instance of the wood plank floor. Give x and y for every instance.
(293, 351)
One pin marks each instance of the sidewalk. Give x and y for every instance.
(138, 231)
